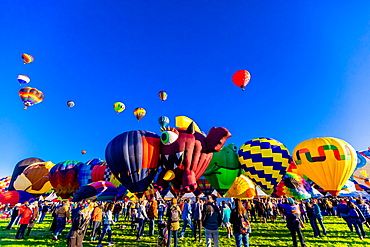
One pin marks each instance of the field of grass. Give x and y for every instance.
(270, 234)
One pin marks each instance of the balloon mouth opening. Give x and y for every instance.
(333, 192)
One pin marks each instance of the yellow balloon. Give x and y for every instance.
(183, 122)
(327, 161)
(242, 188)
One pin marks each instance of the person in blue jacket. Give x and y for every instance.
(292, 213)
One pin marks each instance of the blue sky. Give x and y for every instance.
(309, 63)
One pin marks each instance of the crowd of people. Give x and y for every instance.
(91, 221)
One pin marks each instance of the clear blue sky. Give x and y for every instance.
(309, 61)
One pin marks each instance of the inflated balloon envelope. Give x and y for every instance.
(242, 188)
(362, 172)
(265, 161)
(327, 161)
(35, 178)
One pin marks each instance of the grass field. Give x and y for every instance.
(270, 234)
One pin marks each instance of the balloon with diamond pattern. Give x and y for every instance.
(265, 161)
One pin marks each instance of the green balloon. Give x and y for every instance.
(223, 169)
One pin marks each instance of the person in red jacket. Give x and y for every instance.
(26, 215)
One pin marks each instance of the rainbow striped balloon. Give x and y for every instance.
(139, 113)
(30, 96)
(27, 58)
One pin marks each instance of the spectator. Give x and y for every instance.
(173, 214)
(152, 214)
(241, 225)
(186, 217)
(26, 215)
(212, 219)
(197, 209)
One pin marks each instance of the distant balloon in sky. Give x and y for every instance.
(163, 121)
(139, 113)
(70, 104)
(27, 58)
(162, 95)
(23, 79)
(83, 151)
(119, 107)
(241, 78)
(30, 96)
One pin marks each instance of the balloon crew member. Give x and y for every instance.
(293, 220)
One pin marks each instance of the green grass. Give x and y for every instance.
(270, 234)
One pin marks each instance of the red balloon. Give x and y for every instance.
(241, 78)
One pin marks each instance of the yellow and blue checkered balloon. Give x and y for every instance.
(265, 161)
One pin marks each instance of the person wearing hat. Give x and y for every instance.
(293, 220)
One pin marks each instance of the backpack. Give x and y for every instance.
(175, 214)
(245, 226)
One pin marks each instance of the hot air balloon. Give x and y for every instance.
(242, 188)
(30, 96)
(99, 191)
(204, 186)
(163, 121)
(327, 161)
(139, 113)
(162, 95)
(133, 158)
(23, 79)
(83, 152)
(119, 107)
(223, 169)
(19, 168)
(70, 104)
(15, 196)
(63, 177)
(293, 185)
(96, 170)
(185, 155)
(362, 173)
(241, 78)
(27, 58)
(4, 184)
(35, 178)
(265, 161)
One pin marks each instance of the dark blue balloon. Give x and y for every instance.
(133, 158)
